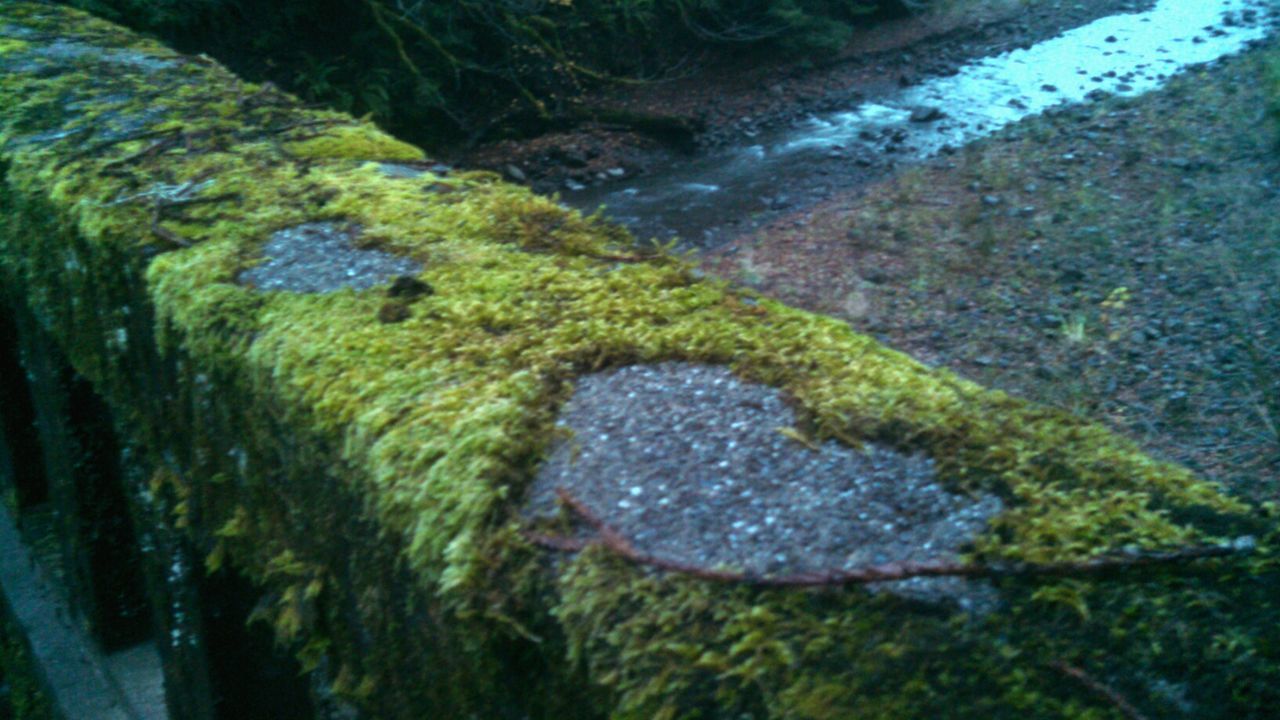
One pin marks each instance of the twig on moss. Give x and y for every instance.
(321, 122)
(187, 202)
(266, 94)
(166, 194)
(836, 577)
(98, 147)
(166, 234)
(164, 143)
(1100, 689)
(164, 197)
(557, 542)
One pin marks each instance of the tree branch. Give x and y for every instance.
(837, 577)
(1101, 689)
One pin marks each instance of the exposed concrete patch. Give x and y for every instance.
(398, 170)
(320, 257)
(689, 463)
(412, 171)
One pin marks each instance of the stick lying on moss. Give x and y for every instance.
(617, 543)
(1101, 689)
(369, 474)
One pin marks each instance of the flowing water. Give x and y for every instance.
(716, 196)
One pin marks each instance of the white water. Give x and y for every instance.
(1126, 54)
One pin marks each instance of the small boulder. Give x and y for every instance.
(926, 113)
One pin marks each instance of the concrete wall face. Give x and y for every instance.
(105, 532)
(86, 505)
(282, 368)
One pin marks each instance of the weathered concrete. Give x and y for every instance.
(82, 683)
(358, 457)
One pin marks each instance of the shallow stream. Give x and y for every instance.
(717, 196)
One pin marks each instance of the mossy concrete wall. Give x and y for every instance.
(360, 449)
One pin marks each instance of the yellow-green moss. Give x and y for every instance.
(436, 423)
(359, 142)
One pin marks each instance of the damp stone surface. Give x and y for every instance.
(320, 257)
(694, 465)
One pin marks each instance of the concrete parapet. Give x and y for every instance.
(332, 370)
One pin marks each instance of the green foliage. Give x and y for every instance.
(317, 80)
(431, 71)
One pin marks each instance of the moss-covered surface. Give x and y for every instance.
(367, 474)
(20, 695)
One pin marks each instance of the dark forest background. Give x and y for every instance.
(461, 71)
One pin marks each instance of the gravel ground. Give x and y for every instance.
(693, 465)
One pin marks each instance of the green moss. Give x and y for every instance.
(310, 429)
(361, 142)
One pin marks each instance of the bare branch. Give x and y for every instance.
(836, 577)
(1101, 689)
